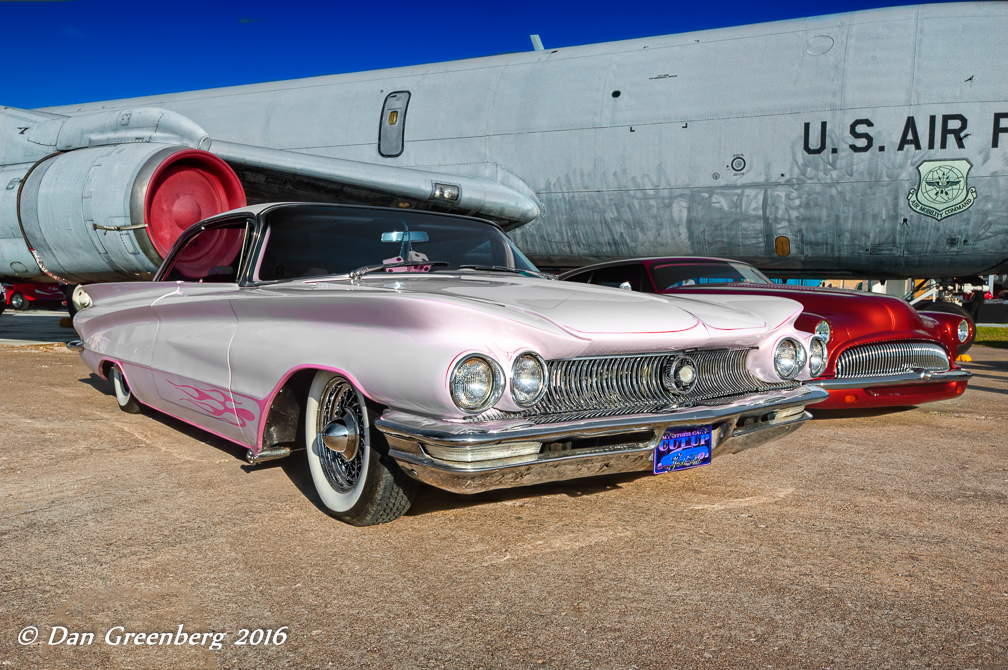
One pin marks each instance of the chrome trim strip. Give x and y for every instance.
(907, 378)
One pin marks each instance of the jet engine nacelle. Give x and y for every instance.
(107, 213)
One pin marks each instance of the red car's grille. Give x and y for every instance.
(891, 358)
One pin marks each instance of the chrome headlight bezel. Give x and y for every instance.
(531, 400)
(674, 379)
(816, 369)
(963, 331)
(800, 358)
(496, 383)
(824, 331)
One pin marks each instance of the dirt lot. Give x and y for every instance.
(869, 541)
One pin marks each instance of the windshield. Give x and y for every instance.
(676, 275)
(320, 241)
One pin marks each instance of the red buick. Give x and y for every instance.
(881, 352)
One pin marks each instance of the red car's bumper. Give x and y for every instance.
(912, 388)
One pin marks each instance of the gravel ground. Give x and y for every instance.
(873, 540)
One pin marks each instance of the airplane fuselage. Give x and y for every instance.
(794, 146)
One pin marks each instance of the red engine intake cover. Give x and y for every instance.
(189, 186)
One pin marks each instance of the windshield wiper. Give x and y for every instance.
(367, 269)
(504, 268)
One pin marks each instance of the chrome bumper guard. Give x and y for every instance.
(905, 379)
(736, 426)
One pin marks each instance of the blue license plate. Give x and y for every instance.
(683, 448)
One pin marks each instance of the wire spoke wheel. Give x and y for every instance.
(367, 487)
(339, 397)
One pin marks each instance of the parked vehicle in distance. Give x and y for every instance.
(881, 351)
(403, 347)
(22, 295)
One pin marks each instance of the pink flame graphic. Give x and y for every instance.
(214, 402)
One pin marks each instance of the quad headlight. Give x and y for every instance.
(823, 330)
(963, 330)
(789, 358)
(817, 357)
(528, 379)
(680, 374)
(476, 382)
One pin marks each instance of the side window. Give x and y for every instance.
(210, 256)
(393, 123)
(582, 277)
(634, 275)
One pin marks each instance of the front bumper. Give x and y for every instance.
(567, 449)
(910, 388)
(920, 377)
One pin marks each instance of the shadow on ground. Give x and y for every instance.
(830, 414)
(99, 384)
(430, 499)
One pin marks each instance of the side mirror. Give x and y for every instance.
(626, 286)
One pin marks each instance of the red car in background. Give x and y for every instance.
(880, 351)
(23, 295)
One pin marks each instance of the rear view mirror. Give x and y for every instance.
(405, 236)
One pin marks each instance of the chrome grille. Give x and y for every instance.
(891, 358)
(586, 387)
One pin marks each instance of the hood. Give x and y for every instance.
(587, 310)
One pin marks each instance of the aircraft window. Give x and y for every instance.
(675, 275)
(211, 256)
(393, 123)
(634, 275)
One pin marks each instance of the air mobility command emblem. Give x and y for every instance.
(942, 190)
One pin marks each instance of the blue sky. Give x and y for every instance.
(61, 52)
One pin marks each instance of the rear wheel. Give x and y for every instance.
(18, 302)
(124, 396)
(357, 483)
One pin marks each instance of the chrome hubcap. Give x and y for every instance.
(338, 424)
(341, 435)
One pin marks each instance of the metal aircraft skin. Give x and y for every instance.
(872, 143)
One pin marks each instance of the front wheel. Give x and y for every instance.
(358, 485)
(19, 302)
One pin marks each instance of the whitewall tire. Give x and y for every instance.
(124, 396)
(359, 484)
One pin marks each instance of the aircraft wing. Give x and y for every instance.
(473, 195)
